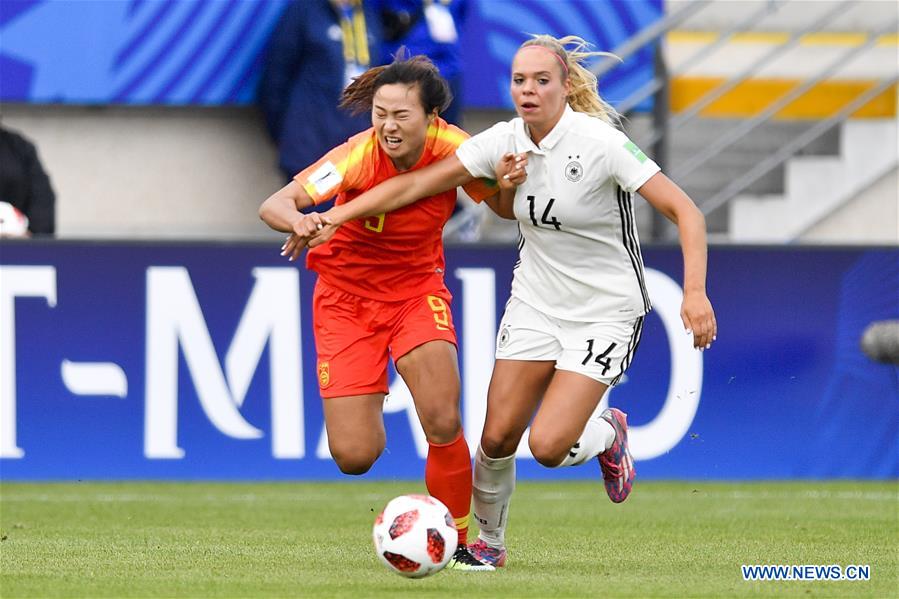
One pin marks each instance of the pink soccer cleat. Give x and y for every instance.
(617, 465)
(487, 554)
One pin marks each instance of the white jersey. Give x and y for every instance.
(580, 255)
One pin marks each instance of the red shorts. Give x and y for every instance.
(354, 336)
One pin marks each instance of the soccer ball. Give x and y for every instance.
(415, 536)
(12, 222)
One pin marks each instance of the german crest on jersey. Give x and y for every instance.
(503, 337)
(574, 171)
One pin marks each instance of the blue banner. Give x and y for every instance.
(133, 51)
(196, 361)
(211, 51)
(497, 27)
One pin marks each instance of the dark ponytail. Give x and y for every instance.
(433, 90)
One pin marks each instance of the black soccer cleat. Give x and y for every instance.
(463, 560)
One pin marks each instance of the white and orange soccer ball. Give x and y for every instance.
(12, 222)
(415, 536)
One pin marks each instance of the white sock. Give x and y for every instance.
(494, 481)
(597, 437)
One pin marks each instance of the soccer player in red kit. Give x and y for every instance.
(380, 289)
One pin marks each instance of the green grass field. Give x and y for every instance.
(314, 539)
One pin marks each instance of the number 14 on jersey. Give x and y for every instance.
(547, 218)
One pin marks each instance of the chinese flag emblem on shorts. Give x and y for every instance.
(324, 374)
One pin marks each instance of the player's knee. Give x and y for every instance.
(354, 462)
(442, 428)
(440, 418)
(498, 445)
(547, 451)
(354, 465)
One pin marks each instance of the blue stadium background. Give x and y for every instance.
(786, 392)
(209, 51)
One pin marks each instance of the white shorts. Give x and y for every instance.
(599, 350)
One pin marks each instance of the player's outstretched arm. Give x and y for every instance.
(281, 212)
(696, 310)
(394, 193)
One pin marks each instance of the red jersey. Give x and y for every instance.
(393, 256)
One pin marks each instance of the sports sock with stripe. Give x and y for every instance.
(448, 478)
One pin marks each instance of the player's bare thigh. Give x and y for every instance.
(355, 425)
(568, 402)
(431, 371)
(516, 387)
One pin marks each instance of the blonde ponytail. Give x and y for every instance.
(584, 96)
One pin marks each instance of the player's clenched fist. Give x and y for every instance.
(302, 230)
(510, 170)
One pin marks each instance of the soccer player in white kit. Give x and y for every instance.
(578, 299)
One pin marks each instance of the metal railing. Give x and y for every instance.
(794, 146)
(648, 35)
(681, 119)
(664, 124)
(744, 127)
(656, 84)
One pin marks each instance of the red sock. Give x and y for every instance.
(448, 478)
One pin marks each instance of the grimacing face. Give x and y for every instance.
(400, 122)
(539, 90)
